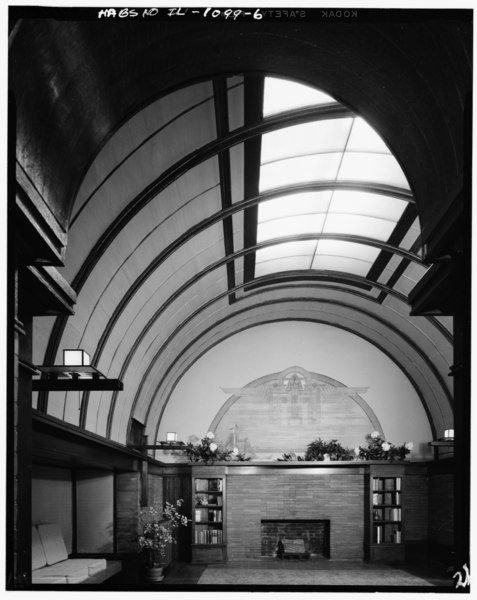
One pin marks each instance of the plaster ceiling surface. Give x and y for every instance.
(228, 202)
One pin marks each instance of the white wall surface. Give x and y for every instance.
(319, 348)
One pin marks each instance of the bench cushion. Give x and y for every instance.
(38, 558)
(94, 565)
(53, 544)
(38, 577)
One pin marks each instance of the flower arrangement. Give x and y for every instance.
(379, 449)
(323, 450)
(157, 526)
(290, 457)
(208, 451)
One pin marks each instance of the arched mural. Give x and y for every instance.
(283, 412)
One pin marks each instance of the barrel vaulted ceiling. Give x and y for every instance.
(229, 201)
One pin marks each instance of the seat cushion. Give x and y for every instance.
(53, 544)
(66, 568)
(38, 577)
(94, 565)
(38, 558)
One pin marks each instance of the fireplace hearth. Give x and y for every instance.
(315, 534)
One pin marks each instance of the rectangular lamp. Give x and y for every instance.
(76, 358)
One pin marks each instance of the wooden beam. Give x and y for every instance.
(77, 385)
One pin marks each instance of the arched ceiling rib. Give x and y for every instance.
(165, 222)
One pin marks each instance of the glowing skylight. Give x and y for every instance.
(378, 229)
(305, 169)
(352, 160)
(294, 204)
(366, 203)
(308, 138)
(363, 138)
(284, 257)
(281, 95)
(376, 168)
(287, 226)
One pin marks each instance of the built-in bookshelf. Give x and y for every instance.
(208, 519)
(385, 514)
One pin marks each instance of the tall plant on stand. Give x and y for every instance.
(156, 532)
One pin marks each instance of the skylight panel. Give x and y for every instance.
(318, 167)
(281, 95)
(347, 249)
(289, 226)
(341, 263)
(365, 203)
(370, 227)
(287, 249)
(289, 263)
(330, 135)
(294, 204)
(363, 138)
(378, 168)
(409, 278)
(336, 255)
(412, 236)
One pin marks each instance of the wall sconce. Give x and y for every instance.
(171, 436)
(449, 434)
(76, 358)
(75, 374)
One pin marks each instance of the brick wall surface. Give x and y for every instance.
(337, 497)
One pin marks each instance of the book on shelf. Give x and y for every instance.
(397, 537)
(209, 536)
(377, 499)
(390, 483)
(398, 483)
(379, 534)
(377, 484)
(208, 485)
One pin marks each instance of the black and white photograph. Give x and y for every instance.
(238, 299)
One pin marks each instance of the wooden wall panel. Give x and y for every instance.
(127, 505)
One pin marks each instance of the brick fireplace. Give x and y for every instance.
(314, 533)
(279, 493)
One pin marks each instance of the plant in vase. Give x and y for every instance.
(156, 531)
(207, 451)
(323, 450)
(378, 448)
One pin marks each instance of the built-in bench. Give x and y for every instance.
(51, 565)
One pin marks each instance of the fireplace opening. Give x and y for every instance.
(310, 537)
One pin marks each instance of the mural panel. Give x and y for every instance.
(284, 412)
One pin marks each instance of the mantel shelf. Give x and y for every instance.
(442, 442)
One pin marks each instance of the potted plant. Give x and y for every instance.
(323, 450)
(156, 531)
(208, 451)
